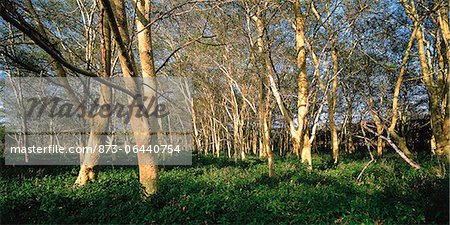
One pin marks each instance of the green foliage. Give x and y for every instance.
(220, 191)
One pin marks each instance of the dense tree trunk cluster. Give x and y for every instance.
(270, 78)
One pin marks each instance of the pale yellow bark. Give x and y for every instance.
(378, 124)
(300, 141)
(331, 94)
(401, 141)
(265, 94)
(445, 30)
(332, 98)
(435, 84)
(98, 124)
(148, 171)
(350, 145)
(302, 102)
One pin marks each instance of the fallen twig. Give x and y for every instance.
(392, 144)
(368, 149)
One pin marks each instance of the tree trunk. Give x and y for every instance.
(445, 30)
(141, 126)
(265, 93)
(98, 124)
(348, 134)
(401, 141)
(302, 103)
(332, 98)
(148, 173)
(435, 85)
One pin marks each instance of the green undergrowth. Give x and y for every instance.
(215, 191)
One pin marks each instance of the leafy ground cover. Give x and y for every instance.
(221, 191)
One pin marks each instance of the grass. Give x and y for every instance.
(220, 191)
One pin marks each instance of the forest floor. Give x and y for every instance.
(220, 191)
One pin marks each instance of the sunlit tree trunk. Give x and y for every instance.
(141, 126)
(332, 98)
(263, 121)
(235, 116)
(267, 146)
(302, 95)
(297, 133)
(196, 136)
(97, 125)
(348, 136)
(378, 125)
(331, 94)
(265, 93)
(100, 124)
(401, 141)
(147, 172)
(438, 92)
(443, 19)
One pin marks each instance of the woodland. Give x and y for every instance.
(300, 111)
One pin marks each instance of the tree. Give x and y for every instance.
(435, 80)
